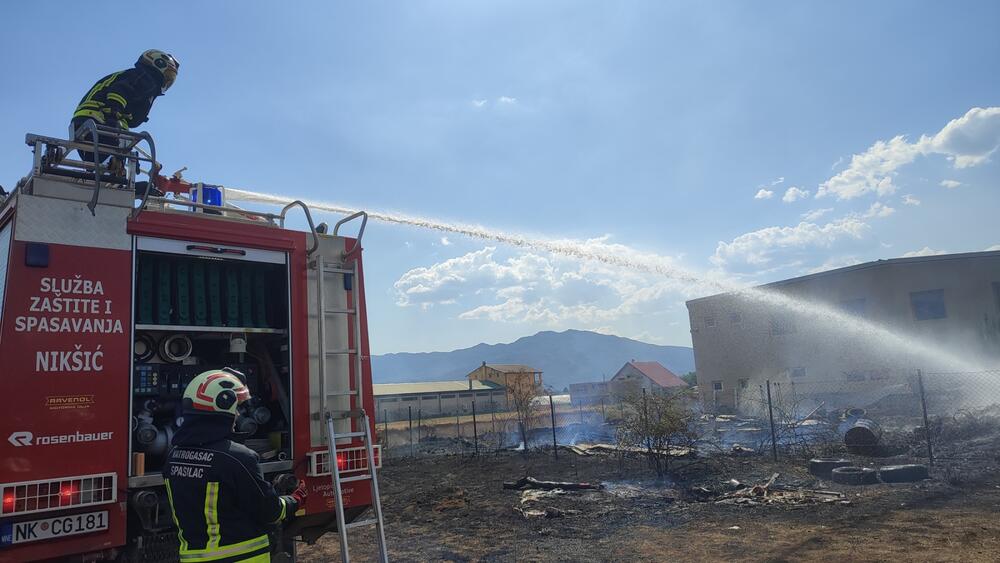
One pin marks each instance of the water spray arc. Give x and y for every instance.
(930, 352)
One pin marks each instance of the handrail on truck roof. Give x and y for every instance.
(96, 132)
(361, 231)
(312, 227)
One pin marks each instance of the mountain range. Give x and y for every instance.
(571, 356)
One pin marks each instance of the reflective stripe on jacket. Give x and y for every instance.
(122, 99)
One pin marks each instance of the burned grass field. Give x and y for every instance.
(732, 507)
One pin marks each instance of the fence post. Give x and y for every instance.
(475, 429)
(580, 408)
(385, 425)
(645, 422)
(420, 422)
(604, 417)
(927, 428)
(770, 414)
(493, 415)
(409, 414)
(458, 432)
(552, 411)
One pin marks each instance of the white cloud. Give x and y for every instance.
(908, 199)
(794, 194)
(971, 139)
(816, 214)
(445, 241)
(479, 103)
(764, 194)
(950, 184)
(506, 100)
(779, 180)
(966, 141)
(758, 247)
(547, 290)
(994, 247)
(840, 161)
(871, 171)
(878, 210)
(925, 251)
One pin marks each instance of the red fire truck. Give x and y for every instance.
(109, 305)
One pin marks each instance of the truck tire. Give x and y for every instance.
(822, 466)
(903, 473)
(851, 475)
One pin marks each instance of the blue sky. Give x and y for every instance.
(643, 129)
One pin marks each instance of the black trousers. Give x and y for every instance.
(89, 138)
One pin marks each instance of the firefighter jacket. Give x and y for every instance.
(221, 504)
(122, 99)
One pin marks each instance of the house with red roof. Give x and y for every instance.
(651, 376)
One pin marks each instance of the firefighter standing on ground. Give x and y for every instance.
(123, 99)
(220, 501)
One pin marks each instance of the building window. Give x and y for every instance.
(782, 325)
(466, 395)
(447, 396)
(744, 383)
(405, 399)
(388, 400)
(798, 373)
(709, 322)
(856, 307)
(736, 318)
(717, 386)
(928, 304)
(483, 394)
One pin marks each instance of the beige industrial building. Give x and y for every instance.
(431, 399)
(875, 322)
(512, 376)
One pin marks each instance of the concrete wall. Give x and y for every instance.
(740, 341)
(588, 393)
(393, 408)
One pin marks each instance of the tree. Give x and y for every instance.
(657, 424)
(691, 378)
(522, 398)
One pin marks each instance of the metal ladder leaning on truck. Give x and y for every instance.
(111, 306)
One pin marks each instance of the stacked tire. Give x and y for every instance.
(822, 467)
(850, 475)
(842, 471)
(903, 473)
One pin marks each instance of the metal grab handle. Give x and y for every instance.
(91, 126)
(312, 227)
(152, 180)
(361, 232)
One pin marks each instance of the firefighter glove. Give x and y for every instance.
(300, 494)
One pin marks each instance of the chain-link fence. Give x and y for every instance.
(878, 412)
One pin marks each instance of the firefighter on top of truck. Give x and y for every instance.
(123, 99)
(220, 501)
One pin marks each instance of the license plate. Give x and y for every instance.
(48, 528)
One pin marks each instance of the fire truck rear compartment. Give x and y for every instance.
(196, 313)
